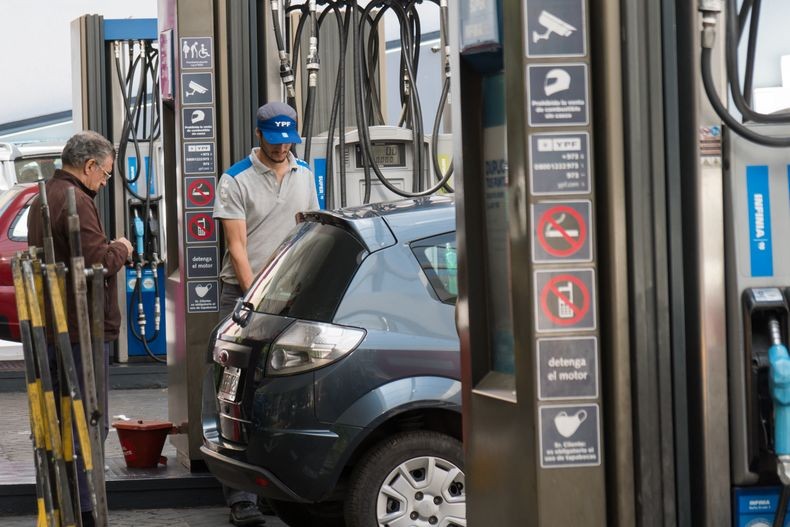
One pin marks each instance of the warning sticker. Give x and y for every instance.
(201, 227)
(198, 158)
(559, 163)
(199, 192)
(565, 300)
(567, 368)
(202, 262)
(570, 436)
(197, 88)
(557, 94)
(198, 123)
(556, 28)
(202, 297)
(562, 232)
(196, 52)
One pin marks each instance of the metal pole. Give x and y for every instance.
(51, 422)
(94, 412)
(41, 444)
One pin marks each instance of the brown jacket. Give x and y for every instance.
(95, 248)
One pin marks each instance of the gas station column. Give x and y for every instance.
(529, 315)
(190, 132)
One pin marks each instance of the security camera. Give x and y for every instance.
(552, 25)
(195, 87)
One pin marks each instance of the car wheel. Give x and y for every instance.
(412, 478)
(329, 514)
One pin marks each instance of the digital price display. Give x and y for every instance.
(386, 155)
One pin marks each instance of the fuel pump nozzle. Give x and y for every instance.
(139, 236)
(779, 385)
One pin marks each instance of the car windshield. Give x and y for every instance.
(28, 169)
(308, 275)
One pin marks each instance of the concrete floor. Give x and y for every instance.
(16, 461)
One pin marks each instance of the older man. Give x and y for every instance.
(87, 165)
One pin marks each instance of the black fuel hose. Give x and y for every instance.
(732, 38)
(781, 508)
(414, 108)
(313, 66)
(142, 338)
(286, 67)
(337, 114)
(444, 42)
(137, 121)
(724, 115)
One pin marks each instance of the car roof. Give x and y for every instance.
(380, 225)
(10, 151)
(9, 195)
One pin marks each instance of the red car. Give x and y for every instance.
(14, 205)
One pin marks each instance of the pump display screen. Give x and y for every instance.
(386, 155)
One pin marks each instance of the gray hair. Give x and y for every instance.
(84, 146)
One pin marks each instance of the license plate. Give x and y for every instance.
(230, 383)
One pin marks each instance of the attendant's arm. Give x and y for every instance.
(236, 239)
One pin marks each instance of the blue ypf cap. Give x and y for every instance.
(277, 123)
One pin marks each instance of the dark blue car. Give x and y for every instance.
(335, 390)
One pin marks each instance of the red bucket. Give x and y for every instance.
(142, 442)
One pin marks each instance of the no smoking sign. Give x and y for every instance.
(199, 192)
(565, 300)
(562, 232)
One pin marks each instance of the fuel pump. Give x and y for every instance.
(779, 364)
(117, 94)
(136, 71)
(768, 398)
(755, 170)
(735, 21)
(374, 161)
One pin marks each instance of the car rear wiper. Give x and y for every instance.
(242, 319)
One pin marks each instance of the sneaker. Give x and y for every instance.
(245, 513)
(87, 519)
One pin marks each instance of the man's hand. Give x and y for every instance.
(126, 243)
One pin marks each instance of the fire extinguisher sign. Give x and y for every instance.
(201, 227)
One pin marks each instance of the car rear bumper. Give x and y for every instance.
(282, 451)
(244, 476)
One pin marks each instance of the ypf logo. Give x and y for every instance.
(282, 124)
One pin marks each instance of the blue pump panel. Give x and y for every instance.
(320, 181)
(159, 345)
(756, 506)
(131, 174)
(759, 206)
(130, 29)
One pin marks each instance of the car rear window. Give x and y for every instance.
(29, 169)
(308, 274)
(439, 261)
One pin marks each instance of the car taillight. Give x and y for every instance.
(306, 346)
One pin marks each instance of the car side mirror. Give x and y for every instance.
(242, 312)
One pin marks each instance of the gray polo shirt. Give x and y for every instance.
(249, 191)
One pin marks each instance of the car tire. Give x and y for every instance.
(417, 475)
(328, 514)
